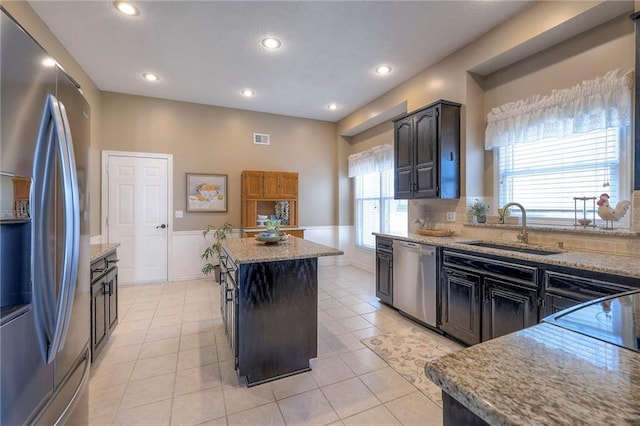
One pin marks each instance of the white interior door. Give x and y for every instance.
(137, 216)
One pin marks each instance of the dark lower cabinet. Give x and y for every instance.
(567, 287)
(99, 327)
(104, 301)
(111, 295)
(554, 303)
(507, 307)
(456, 414)
(384, 270)
(229, 302)
(461, 308)
(484, 298)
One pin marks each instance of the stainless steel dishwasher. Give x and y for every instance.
(414, 281)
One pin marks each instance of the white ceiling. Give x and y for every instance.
(208, 51)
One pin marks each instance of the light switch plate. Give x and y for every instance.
(451, 216)
(179, 214)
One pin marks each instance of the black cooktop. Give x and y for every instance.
(614, 319)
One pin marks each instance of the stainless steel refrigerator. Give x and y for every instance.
(44, 236)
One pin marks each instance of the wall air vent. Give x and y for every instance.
(261, 139)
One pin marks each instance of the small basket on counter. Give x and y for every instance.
(434, 232)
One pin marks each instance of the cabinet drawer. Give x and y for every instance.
(384, 244)
(522, 273)
(581, 288)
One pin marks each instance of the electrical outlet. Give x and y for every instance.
(451, 216)
(179, 214)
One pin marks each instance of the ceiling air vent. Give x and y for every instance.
(261, 139)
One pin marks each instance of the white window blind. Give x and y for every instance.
(571, 143)
(375, 208)
(546, 175)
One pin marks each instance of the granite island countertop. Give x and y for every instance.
(543, 375)
(598, 262)
(250, 250)
(100, 250)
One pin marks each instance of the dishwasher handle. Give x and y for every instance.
(420, 248)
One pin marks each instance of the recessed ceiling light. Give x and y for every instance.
(150, 76)
(49, 62)
(383, 69)
(247, 93)
(126, 8)
(271, 43)
(333, 106)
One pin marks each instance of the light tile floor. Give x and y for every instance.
(169, 363)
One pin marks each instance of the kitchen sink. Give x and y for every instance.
(508, 247)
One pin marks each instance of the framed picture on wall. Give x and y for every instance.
(206, 192)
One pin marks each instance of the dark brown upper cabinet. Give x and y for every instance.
(427, 152)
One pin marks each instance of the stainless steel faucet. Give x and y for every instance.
(524, 235)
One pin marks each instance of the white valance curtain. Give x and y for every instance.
(376, 159)
(591, 105)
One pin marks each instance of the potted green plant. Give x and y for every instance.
(214, 250)
(479, 211)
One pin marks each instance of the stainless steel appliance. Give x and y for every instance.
(414, 281)
(613, 319)
(44, 236)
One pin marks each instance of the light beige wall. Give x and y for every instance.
(378, 135)
(453, 79)
(30, 21)
(206, 139)
(584, 57)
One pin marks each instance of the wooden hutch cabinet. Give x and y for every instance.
(261, 191)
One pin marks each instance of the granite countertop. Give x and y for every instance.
(606, 263)
(544, 374)
(249, 250)
(101, 250)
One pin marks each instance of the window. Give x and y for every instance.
(375, 208)
(572, 143)
(546, 175)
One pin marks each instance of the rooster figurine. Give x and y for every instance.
(610, 214)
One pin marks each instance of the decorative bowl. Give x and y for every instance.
(271, 238)
(266, 237)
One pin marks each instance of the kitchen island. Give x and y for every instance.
(269, 303)
(552, 373)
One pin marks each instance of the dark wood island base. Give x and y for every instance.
(277, 319)
(269, 303)
(454, 413)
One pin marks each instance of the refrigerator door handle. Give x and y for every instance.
(52, 316)
(72, 225)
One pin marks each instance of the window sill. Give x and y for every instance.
(561, 229)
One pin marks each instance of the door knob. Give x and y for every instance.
(161, 226)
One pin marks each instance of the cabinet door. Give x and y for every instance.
(384, 277)
(111, 290)
(271, 184)
(98, 317)
(249, 213)
(288, 185)
(403, 158)
(507, 308)
(460, 300)
(554, 303)
(252, 184)
(426, 154)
